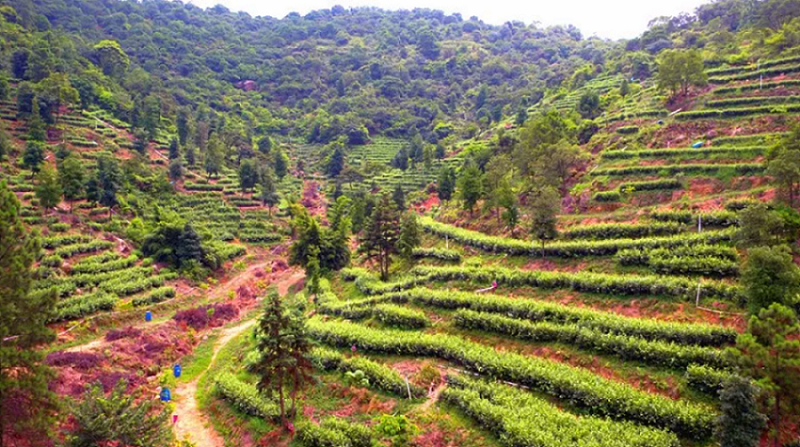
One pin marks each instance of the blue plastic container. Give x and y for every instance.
(148, 316)
(166, 396)
(697, 145)
(176, 370)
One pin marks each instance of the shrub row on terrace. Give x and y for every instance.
(544, 311)
(577, 386)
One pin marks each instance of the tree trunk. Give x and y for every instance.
(280, 394)
(294, 393)
(776, 441)
(543, 255)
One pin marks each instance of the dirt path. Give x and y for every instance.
(192, 424)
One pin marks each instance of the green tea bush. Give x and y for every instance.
(154, 296)
(739, 169)
(621, 230)
(701, 153)
(334, 432)
(706, 379)
(602, 397)
(519, 418)
(379, 375)
(657, 353)
(440, 254)
(245, 397)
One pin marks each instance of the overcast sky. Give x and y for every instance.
(613, 19)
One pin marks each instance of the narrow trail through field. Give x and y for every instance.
(192, 424)
(217, 293)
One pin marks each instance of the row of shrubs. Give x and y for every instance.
(746, 140)
(622, 230)
(334, 432)
(737, 112)
(695, 260)
(707, 219)
(380, 376)
(607, 196)
(704, 152)
(706, 379)
(104, 265)
(738, 168)
(657, 353)
(634, 115)
(545, 311)
(245, 397)
(760, 65)
(121, 287)
(441, 254)
(154, 296)
(566, 249)
(63, 239)
(577, 386)
(587, 282)
(67, 251)
(651, 185)
(80, 306)
(752, 101)
(757, 86)
(388, 314)
(755, 74)
(523, 419)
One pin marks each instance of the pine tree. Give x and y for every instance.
(410, 236)
(440, 152)
(445, 185)
(399, 197)
(48, 188)
(174, 149)
(770, 353)
(770, 276)
(213, 156)
(175, 170)
(283, 348)
(182, 124)
(544, 207)
(189, 247)
(23, 318)
(758, 226)
(5, 143)
(470, 186)
(379, 241)
(336, 162)
(427, 158)
(269, 196)
(248, 175)
(739, 423)
(400, 160)
(281, 164)
(93, 192)
(118, 419)
(33, 157)
(37, 131)
(109, 180)
(190, 156)
(72, 179)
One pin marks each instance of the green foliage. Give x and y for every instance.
(770, 353)
(72, 178)
(770, 276)
(573, 385)
(328, 245)
(543, 210)
(658, 353)
(33, 156)
(518, 417)
(282, 349)
(48, 188)
(706, 379)
(22, 324)
(376, 374)
(446, 184)
(740, 423)
(379, 240)
(248, 175)
(470, 186)
(245, 397)
(784, 165)
(118, 418)
(680, 69)
(436, 253)
(410, 235)
(334, 432)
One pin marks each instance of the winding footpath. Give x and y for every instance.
(192, 424)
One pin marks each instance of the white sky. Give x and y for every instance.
(614, 19)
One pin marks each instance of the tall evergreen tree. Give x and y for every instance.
(399, 197)
(248, 175)
(182, 124)
(48, 189)
(400, 160)
(33, 157)
(72, 179)
(109, 180)
(269, 195)
(379, 241)
(770, 353)
(410, 235)
(174, 149)
(26, 404)
(544, 207)
(189, 247)
(281, 164)
(470, 186)
(214, 156)
(190, 156)
(175, 171)
(37, 131)
(445, 184)
(283, 349)
(118, 419)
(739, 423)
(336, 162)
